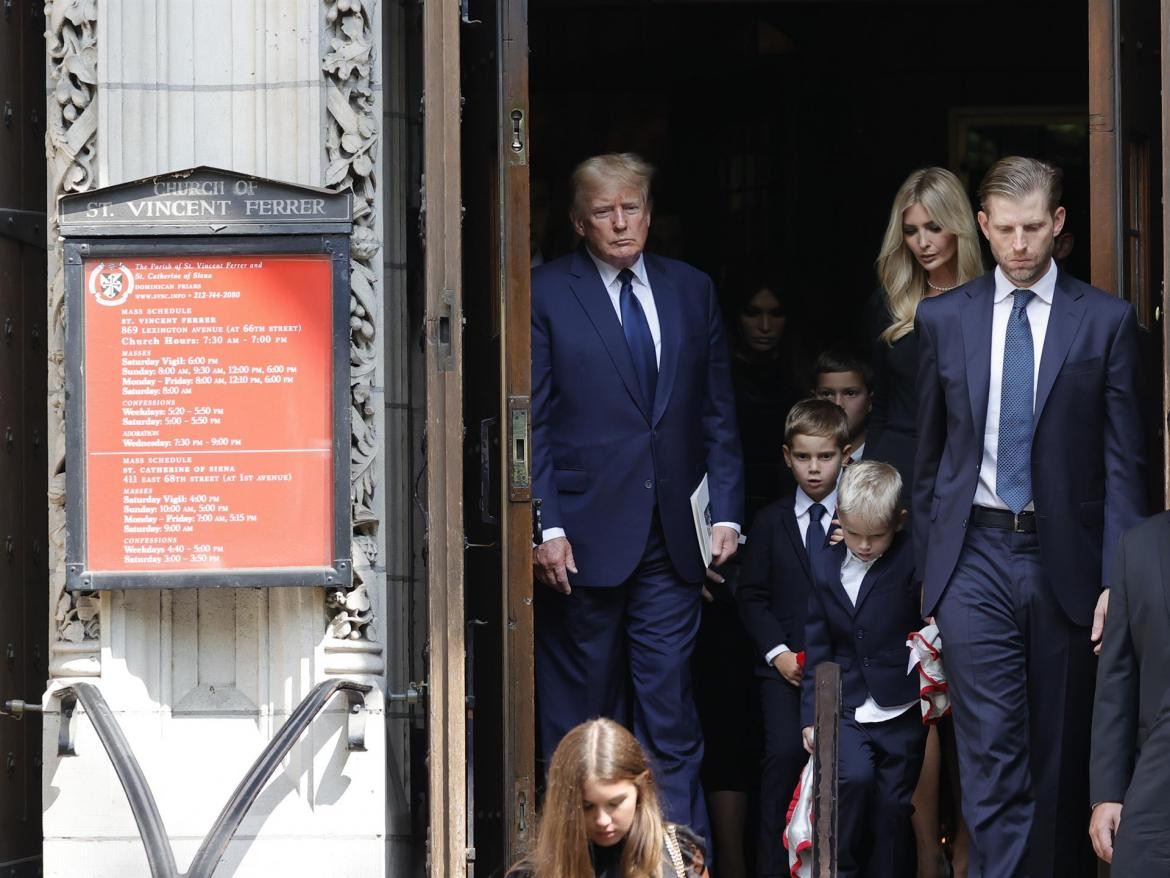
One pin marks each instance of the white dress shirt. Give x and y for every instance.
(853, 571)
(802, 509)
(642, 292)
(645, 296)
(1038, 310)
(857, 453)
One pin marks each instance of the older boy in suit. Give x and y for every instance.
(863, 605)
(774, 583)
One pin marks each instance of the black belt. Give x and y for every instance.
(1023, 523)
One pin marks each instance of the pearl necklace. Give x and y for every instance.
(940, 289)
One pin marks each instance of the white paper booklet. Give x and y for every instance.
(701, 510)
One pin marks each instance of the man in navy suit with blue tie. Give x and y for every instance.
(1029, 467)
(631, 407)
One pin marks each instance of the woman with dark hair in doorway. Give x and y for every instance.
(768, 374)
(930, 247)
(767, 380)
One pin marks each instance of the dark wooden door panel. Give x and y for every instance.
(23, 477)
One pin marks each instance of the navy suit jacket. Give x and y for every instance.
(1088, 448)
(774, 582)
(601, 458)
(868, 640)
(1133, 676)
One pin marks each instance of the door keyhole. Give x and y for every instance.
(517, 131)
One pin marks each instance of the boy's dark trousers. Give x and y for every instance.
(878, 769)
(774, 583)
(784, 758)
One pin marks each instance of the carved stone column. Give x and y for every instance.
(200, 680)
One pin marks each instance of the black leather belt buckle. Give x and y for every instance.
(1002, 519)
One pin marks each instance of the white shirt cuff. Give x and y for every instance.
(775, 651)
(731, 524)
(551, 533)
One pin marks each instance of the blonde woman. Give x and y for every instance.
(930, 247)
(601, 817)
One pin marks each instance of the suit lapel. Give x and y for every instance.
(976, 325)
(833, 556)
(666, 303)
(788, 524)
(590, 292)
(1063, 321)
(872, 575)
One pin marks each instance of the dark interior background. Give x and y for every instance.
(782, 130)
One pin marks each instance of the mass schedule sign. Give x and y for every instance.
(209, 423)
(207, 376)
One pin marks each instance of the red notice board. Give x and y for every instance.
(208, 386)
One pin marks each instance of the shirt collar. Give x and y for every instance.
(852, 560)
(804, 501)
(1043, 288)
(609, 273)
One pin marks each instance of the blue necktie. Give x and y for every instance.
(814, 538)
(1013, 464)
(638, 338)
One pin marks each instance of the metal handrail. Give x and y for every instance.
(159, 854)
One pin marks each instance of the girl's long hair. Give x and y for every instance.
(902, 278)
(603, 750)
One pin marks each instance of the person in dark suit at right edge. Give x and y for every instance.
(1030, 465)
(1130, 765)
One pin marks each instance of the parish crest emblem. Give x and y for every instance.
(111, 284)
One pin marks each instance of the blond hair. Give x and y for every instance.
(902, 278)
(1016, 177)
(599, 749)
(869, 491)
(625, 168)
(817, 417)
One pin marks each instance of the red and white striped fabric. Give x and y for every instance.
(798, 832)
(926, 646)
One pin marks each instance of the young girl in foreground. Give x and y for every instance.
(601, 816)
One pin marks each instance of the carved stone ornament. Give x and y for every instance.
(351, 144)
(72, 147)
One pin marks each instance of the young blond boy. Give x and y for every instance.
(862, 606)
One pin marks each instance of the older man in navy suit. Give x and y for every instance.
(631, 407)
(1029, 467)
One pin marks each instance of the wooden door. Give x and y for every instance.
(23, 477)
(496, 265)
(1126, 163)
(480, 694)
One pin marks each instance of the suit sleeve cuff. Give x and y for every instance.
(775, 651)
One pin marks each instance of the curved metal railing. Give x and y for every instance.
(159, 854)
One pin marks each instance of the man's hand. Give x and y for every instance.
(1098, 632)
(1103, 826)
(553, 562)
(724, 542)
(788, 667)
(807, 734)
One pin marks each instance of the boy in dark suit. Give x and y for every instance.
(775, 580)
(862, 606)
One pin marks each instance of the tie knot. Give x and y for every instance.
(626, 276)
(816, 512)
(1023, 297)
